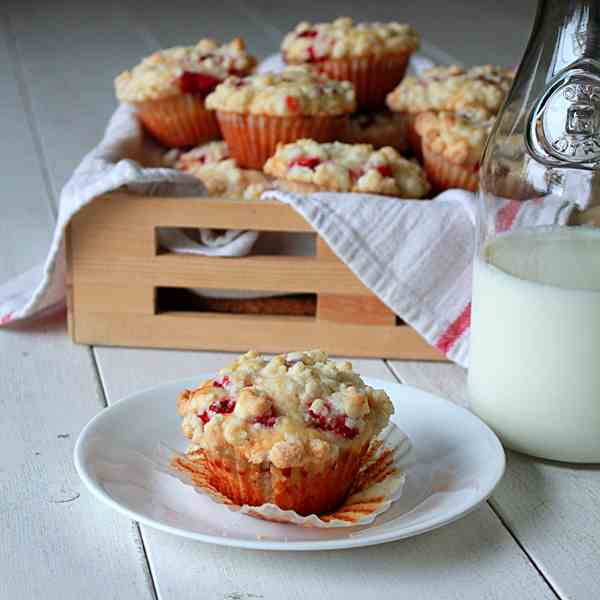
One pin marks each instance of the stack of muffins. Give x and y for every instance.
(336, 119)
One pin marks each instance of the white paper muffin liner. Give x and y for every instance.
(379, 483)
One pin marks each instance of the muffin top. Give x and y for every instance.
(220, 174)
(478, 92)
(185, 69)
(310, 43)
(457, 138)
(291, 410)
(293, 92)
(348, 168)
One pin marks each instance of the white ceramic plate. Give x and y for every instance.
(454, 464)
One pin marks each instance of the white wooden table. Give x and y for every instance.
(538, 536)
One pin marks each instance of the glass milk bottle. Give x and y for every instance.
(534, 366)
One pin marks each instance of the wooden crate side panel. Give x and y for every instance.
(346, 308)
(294, 274)
(365, 309)
(214, 212)
(237, 333)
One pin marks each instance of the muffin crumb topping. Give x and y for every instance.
(477, 92)
(348, 168)
(220, 174)
(295, 91)
(457, 138)
(184, 70)
(294, 409)
(316, 42)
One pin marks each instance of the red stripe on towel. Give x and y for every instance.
(506, 215)
(455, 330)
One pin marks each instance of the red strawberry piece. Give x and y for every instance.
(306, 161)
(336, 424)
(340, 427)
(312, 55)
(197, 83)
(385, 170)
(292, 103)
(307, 33)
(224, 380)
(223, 406)
(268, 419)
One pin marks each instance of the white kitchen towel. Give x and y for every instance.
(415, 255)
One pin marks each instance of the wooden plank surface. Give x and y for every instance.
(551, 508)
(56, 541)
(189, 330)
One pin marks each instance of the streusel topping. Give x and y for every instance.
(348, 168)
(310, 43)
(477, 92)
(184, 69)
(457, 138)
(293, 92)
(290, 410)
(220, 174)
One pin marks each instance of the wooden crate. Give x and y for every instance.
(115, 266)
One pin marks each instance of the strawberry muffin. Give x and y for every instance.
(256, 113)
(452, 146)
(169, 87)
(379, 129)
(291, 431)
(220, 174)
(307, 166)
(373, 56)
(477, 93)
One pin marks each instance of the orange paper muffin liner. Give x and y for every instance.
(377, 481)
(444, 175)
(252, 139)
(373, 76)
(305, 490)
(179, 121)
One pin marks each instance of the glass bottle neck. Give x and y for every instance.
(571, 28)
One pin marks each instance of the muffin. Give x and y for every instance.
(478, 93)
(169, 87)
(256, 113)
(307, 166)
(220, 174)
(452, 146)
(379, 129)
(291, 431)
(373, 56)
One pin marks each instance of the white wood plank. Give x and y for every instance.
(436, 565)
(56, 540)
(551, 508)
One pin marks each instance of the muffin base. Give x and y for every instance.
(444, 175)
(179, 121)
(412, 136)
(314, 489)
(393, 133)
(373, 76)
(252, 139)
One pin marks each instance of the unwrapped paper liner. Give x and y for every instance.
(379, 483)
